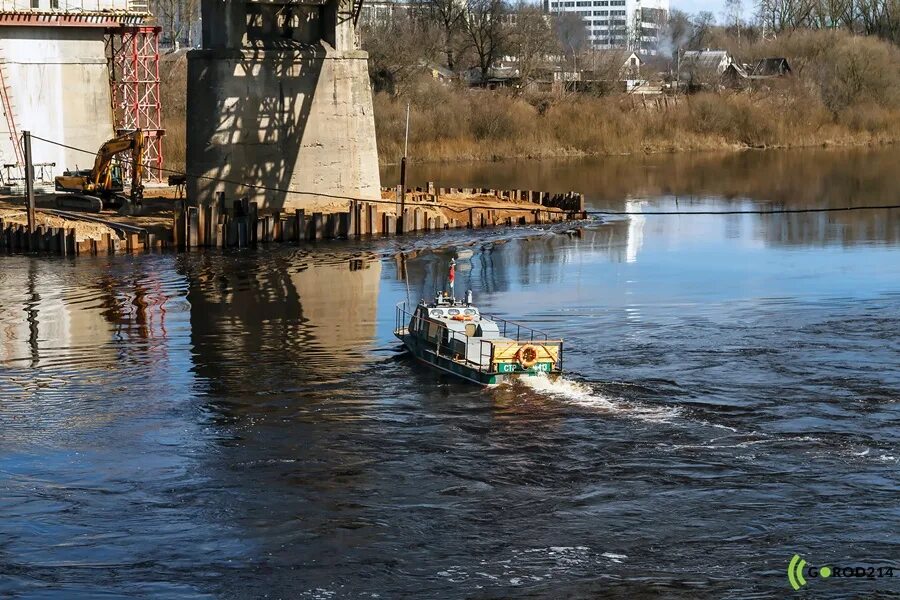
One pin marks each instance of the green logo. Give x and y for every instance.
(795, 572)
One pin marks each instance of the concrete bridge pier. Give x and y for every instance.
(279, 97)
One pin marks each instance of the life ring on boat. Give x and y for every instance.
(527, 356)
(462, 317)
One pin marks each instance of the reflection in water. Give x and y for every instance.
(314, 312)
(535, 256)
(789, 178)
(241, 424)
(635, 230)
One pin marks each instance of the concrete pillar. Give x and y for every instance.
(279, 96)
(58, 83)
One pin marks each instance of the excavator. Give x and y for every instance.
(102, 186)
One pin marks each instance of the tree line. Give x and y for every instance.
(476, 33)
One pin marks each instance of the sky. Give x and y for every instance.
(716, 7)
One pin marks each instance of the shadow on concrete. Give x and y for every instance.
(254, 105)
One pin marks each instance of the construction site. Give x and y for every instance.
(280, 143)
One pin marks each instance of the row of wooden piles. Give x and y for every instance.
(569, 202)
(15, 237)
(241, 225)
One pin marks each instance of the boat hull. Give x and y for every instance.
(444, 364)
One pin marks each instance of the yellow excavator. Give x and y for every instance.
(103, 185)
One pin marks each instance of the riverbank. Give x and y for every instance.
(462, 125)
(165, 222)
(841, 90)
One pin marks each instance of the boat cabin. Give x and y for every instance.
(453, 336)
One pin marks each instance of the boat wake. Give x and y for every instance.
(582, 394)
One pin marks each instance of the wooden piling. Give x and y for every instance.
(253, 223)
(372, 219)
(300, 225)
(193, 234)
(317, 226)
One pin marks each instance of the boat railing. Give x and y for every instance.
(523, 332)
(486, 346)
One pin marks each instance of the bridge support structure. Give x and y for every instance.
(279, 105)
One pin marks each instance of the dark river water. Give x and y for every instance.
(244, 425)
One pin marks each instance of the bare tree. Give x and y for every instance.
(176, 17)
(531, 39)
(572, 34)
(449, 16)
(486, 31)
(398, 48)
(701, 30)
(734, 15)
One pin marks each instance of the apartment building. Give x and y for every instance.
(633, 24)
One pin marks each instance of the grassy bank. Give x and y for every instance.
(844, 90)
(466, 125)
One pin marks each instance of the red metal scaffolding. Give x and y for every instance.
(133, 55)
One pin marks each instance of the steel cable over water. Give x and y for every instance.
(623, 213)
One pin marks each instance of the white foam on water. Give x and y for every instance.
(581, 394)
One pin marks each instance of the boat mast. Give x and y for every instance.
(451, 277)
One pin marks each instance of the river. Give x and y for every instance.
(244, 425)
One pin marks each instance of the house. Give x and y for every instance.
(603, 71)
(699, 68)
(771, 67)
(714, 60)
(735, 76)
(439, 72)
(612, 64)
(497, 77)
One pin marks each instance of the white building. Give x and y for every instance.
(633, 24)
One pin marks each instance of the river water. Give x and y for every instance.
(243, 425)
